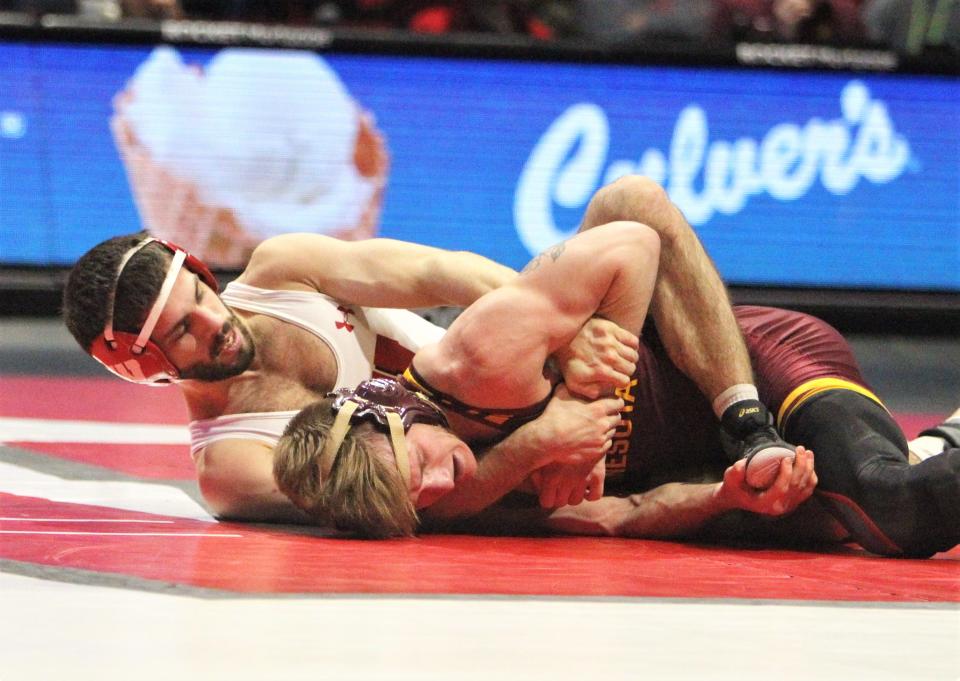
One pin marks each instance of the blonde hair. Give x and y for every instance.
(364, 493)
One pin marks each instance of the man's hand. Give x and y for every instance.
(600, 359)
(570, 431)
(575, 435)
(569, 484)
(794, 484)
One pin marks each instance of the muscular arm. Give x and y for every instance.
(690, 304)
(678, 510)
(374, 272)
(571, 431)
(494, 354)
(502, 468)
(673, 510)
(236, 481)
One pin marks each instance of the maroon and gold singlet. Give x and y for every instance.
(668, 425)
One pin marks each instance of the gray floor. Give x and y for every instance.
(911, 373)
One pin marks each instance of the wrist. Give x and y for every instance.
(527, 448)
(721, 499)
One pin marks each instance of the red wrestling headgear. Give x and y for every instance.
(134, 357)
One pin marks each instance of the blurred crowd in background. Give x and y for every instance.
(907, 26)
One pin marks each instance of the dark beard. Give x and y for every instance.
(211, 372)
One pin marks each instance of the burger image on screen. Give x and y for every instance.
(256, 143)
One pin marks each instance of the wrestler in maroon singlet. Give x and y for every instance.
(669, 423)
(806, 374)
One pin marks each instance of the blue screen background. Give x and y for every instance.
(461, 132)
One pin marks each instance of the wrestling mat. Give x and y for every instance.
(97, 487)
(111, 570)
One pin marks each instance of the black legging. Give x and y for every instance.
(888, 506)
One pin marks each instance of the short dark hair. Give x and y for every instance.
(91, 281)
(364, 493)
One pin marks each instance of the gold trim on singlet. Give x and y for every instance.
(500, 419)
(409, 376)
(803, 392)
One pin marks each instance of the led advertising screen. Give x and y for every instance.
(791, 178)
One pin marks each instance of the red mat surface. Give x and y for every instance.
(151, 462)
(91, 399)
(240, 558)
(245, 559)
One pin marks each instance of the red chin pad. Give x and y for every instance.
(150, 367)
(194, 264)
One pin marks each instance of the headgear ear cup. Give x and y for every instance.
(133, 357)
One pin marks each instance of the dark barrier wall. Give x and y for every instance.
(841, 174)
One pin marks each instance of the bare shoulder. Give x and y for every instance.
(285, 262)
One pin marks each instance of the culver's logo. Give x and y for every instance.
(567, 163)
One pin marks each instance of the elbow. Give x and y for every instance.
(224, 496)
(228, 503)
(222, 502)
(634, 245)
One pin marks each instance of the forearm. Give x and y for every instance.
(459, 278)
(673, 510)
(244, 500)
(503, 468)
(690, 303)
(374, 272)
(570, 433)
(258, 509)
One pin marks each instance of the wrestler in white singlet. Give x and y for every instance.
(365, 341)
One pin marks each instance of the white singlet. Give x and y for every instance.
(364, 341)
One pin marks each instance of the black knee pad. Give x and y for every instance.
(860, 453)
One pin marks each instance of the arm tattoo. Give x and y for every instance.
(554, 253)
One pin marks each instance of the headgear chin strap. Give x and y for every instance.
(134, 357)
(389, 405)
